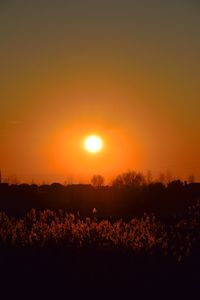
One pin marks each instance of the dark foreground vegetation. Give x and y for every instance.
(121, 200)
(60, 252)
(84, 241)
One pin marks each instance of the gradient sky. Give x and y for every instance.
(128, 70)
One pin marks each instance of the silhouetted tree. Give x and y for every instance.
(165, 178)
(149, 177)
(175, 185)
(97, 180)
(129, 179)
(168, 177)
(162, 178)
(191, 178)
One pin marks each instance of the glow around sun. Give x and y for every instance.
(93, 143)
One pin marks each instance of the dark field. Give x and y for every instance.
(72, 251)
(96, 274)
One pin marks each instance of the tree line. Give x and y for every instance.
(129, 194)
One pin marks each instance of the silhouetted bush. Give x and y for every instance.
(141, 235)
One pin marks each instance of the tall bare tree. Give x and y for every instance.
(97, 181)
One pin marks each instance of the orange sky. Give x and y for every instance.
(129, 73)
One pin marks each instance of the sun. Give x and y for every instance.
(93, 143)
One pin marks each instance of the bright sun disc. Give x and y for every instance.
(93, 143)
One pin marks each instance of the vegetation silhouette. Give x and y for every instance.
(129, 194)
(120, 238)
(97, 181)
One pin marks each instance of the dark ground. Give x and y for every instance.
(92, 274)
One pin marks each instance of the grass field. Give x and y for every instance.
(59, 252)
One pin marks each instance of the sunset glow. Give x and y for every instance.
(100, 148)
(124, 72)
(93, 144)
